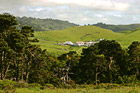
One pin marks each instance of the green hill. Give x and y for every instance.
(49, 39)
(117, 28)
(128, 38)
(44, 24)
(79, 33)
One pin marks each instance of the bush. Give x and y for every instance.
(127, 80)
(106, 86)
(22, 84)
(34, 85)
(8, 85)
(71, 82)
(50, 86)
(56, 82)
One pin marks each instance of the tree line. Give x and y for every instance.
(44, 24)
(118, 28)
(104, 62)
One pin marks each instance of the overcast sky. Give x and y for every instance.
(76, 11)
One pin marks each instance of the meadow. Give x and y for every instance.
(49, 39)
(81, 90)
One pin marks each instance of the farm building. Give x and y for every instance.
(89, 43)
(68, 43)
(80, 43)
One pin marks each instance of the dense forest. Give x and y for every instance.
(117, 28)
(43, 24)
(104, 62)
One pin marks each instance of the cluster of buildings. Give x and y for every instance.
(80, 43)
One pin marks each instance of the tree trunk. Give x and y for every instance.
(17, 70)
(22, 60)
(111, 61)
(2, 61)
(27, 72)
(6, 70)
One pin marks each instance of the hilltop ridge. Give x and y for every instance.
(117, 28)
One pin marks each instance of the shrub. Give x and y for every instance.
(127, 80)
(50, 86)
(34, 85)
(22, 84)
(56, 82)
(107, 86)
(8, 85)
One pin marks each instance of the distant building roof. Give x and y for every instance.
(68, 43)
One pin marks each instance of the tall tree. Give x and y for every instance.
(134, 58)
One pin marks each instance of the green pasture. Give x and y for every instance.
(49, 39)
(81, 90)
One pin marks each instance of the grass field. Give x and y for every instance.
(82, 90)
(49, 39)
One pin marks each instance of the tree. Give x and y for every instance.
(69, 61)
(110, 49)
(91, 65)
(7, 22)
(100, 62)
(134, 58)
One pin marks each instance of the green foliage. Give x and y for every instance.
(99, 63)
(134, 57)
(127, 80)
(7, 20)
(22, 84)
(44, 24)
(107, 86)
(34, 85)
(7, 85)
(49, 86)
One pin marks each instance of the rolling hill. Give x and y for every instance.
(79, 33)
(49, 39)
(129, 37)
(117, 28)
(44, 24)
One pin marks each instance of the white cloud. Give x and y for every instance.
(117, 15)
(76, 11)
(110, 5)
(99, 15)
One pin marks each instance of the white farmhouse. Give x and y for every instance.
(68, 43)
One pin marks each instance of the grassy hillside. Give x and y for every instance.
(128, 38)
(44, 24)
(48, 39)
(117, 28)
(83, 33)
